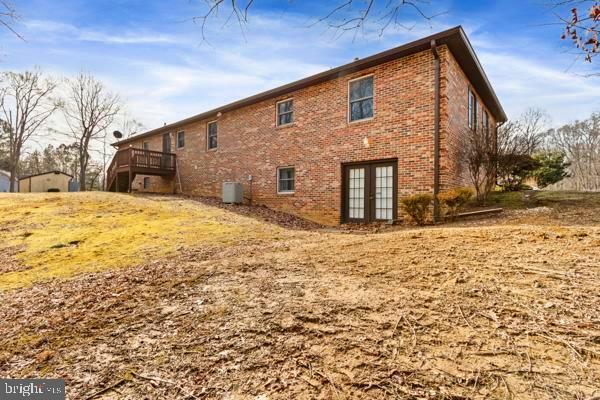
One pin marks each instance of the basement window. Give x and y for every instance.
(286, 177)
(212, 135)
(360, 98)
(472, 110)
(146, 182)
(180, 139)
(285, 112)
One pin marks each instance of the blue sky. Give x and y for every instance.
(152, 54)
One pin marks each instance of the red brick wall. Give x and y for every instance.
(455, 124)
(321, 139)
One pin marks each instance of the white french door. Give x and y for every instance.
(370, 191)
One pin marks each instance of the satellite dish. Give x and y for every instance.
(117, 134)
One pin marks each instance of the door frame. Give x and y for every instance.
(168, 136)
(165, 158)
(369, 186)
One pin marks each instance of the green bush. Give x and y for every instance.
(453, 200)
(417, 207)
(552, 168)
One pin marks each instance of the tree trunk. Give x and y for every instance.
(13, 179)
(83, 161)
(82, 187)
(14, 166)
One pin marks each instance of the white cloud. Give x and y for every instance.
(53, 31)
(522, 82)
(170, 74)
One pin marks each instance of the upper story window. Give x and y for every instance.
(212, 135)
(286, 177)
(472, 110)
(180, 139)
(486, 123)
(361, 98)
(146, 145)
(285, 112)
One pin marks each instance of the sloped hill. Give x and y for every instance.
(503, 308)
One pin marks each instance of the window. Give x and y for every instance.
(212, 135)
(285, 180)
(146, 145)
(285, 112)
(486, 124)
(472, 110)
(146, 183)
(180, 139)
(361, 99)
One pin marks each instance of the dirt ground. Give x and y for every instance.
(506, 307)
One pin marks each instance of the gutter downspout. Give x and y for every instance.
(436, 133)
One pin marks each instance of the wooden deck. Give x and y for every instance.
(129, 162)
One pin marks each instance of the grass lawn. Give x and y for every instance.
(61, 235)
(531, 199)
(159, 297)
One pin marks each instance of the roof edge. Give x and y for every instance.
(465, 38)
(45, 173)
(345, 69)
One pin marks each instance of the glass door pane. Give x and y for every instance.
(356, 194)
(384, 192)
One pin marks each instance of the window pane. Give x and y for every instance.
(471, 106)
(286, 106)
(285, 112)
(180, 139)
(361, 89)
(286, 180)
(355, 111)
(212, 135)
(367, 108)
(285, 119)
(361, 109)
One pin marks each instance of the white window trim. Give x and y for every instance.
(177, 140)
(472, 118)
(348, 108)
(287, 191)
(290, 112)
(208, 148)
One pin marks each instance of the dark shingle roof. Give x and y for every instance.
(455, 38)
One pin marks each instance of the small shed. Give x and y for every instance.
(51, 181)
(5, 181)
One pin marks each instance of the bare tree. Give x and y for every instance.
(26, 103)
(517, 141)
(480, 156)
(582, 25)
(343, 15)
(90, 109)
(9, 17)
(130, 126)
(525, 134)
(580, 142)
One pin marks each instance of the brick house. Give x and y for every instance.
(342, 145)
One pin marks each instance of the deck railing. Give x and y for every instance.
(134, 158)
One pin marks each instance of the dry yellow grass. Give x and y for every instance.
(61, 235)
(498, 308)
